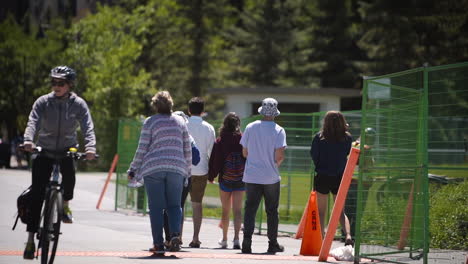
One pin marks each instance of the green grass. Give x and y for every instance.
(450, 171)
(383, 196)
(292, 202)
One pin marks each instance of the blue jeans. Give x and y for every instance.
(254, 193)
(164, 190)
(185, 192)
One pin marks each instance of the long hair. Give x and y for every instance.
(334, 128)
(231, 124)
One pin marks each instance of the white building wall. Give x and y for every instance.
(242, 103)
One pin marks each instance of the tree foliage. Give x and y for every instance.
(104, 50)
(262, 41)
(24, 67)
(399, 35)
(127, 51)
(334, 27)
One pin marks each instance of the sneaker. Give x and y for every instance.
(167, 244)
(194, 244)
(67, 216)
(236, 244)
(158, 250)
(349, 241)
(222, 243)
(174, 244)
(247, 246)
(29, 250)
(274, 247)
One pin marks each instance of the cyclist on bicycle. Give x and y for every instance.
(54, 118)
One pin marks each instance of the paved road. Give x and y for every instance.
(106, 236)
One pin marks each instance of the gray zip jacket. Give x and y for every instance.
(55, 121)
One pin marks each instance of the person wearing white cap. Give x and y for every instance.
(263, 144)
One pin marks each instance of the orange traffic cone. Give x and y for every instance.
(312, 238)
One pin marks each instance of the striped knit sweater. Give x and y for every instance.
(164, 146)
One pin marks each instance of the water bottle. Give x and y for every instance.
(133, 182)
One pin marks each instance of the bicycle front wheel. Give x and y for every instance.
(50, 232)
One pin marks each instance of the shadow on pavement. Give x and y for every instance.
(155, 256)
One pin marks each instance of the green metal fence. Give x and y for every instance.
(419, 126)
(413, 124)
(128, 198)
(297, 170)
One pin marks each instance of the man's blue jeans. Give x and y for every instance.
(164, 190)
(271, 194)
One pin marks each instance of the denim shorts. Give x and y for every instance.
(225, 188)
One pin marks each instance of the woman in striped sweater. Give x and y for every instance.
(163, 161)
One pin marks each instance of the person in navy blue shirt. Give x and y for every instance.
(329, 151)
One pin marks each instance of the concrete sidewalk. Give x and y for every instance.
(106, 236)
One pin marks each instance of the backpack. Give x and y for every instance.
(22, 203)
(233, 169)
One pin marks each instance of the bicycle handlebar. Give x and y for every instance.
(72, 152)
(78, 155)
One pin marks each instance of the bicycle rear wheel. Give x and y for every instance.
(50, 231)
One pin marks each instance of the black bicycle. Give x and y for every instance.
(52, 210)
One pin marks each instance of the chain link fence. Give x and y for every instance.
(418, 130)
(413, 130)
(297, 171)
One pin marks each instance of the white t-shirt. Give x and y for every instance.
(261, 139)
(204, 135)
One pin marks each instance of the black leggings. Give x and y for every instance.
(41, 171)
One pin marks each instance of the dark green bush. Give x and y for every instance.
(449, 217)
